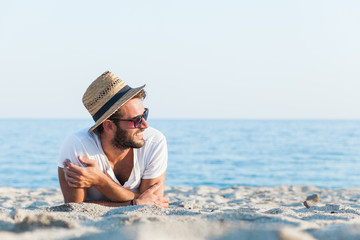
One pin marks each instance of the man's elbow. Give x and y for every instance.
(76, 196)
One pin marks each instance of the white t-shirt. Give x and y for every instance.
(150, 161)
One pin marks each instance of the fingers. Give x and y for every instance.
(71, 181)
(149, 197)
(164, 199)
(72, 177)
(164, 205)
(69, 176)
(73, 184)
(75, 181)
(85, 160)
(162, 202)
(153, 188)
(68, 165)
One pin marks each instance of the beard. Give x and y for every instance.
(124, 140)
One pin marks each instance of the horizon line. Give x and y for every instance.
(187, 119)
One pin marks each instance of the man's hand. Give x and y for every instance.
(82, 177)
(149, 197)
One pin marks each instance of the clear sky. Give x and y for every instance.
(258, 59)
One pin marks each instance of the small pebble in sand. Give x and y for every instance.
(311, 200)
(315, 198)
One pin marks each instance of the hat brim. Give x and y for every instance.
(129, 95)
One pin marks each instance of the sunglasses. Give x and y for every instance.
(138, 120)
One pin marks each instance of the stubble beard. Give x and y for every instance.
(124, 140)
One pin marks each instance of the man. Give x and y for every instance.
(120, 160)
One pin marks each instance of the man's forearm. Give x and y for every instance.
(113, 191)
(92, 176)
(70, 194)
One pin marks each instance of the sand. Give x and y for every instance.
(194, 213)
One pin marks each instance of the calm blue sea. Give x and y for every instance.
(219, 153)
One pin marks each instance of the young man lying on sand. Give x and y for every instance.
(120, 160)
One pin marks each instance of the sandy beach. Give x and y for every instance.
(194, 213)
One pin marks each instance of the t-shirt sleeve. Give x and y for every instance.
(71, 148)
(157, 157)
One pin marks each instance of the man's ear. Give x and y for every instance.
(109, 127)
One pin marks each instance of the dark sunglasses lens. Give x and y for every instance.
(137, 121)
(146, 113)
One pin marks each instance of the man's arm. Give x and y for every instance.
(84, 177)
(147, 197)
(77, 195)
(155, 164)
(70, 194)
(159, 193)
(146, 183)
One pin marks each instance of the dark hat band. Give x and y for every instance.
(111, 102)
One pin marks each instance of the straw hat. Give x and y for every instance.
(106, 95)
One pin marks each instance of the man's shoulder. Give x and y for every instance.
(153, 135)
(81, 135)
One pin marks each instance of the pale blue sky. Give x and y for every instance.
(258, 59)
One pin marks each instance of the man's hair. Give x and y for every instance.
(118, 114)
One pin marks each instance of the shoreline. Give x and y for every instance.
(194, 213)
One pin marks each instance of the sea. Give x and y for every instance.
(218, 153)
